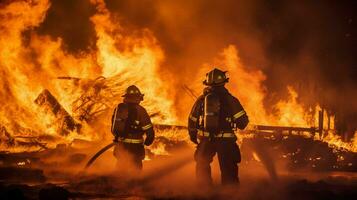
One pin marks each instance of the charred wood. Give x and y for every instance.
(93, 102)
(5, 137)
(50, 104)
(301, 153)
(285, 128)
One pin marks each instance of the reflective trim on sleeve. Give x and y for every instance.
(203, 133)
(194, 119)
(147, 127)
(239, 114)
(133, 141)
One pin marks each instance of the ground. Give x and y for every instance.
(59, 174)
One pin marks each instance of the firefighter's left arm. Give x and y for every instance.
(240, 117)
(150, 136)
(193, 123)
(147, 126)
(113, 121)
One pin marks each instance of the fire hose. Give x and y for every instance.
(104, 149)
(100, 152)
(267, 161)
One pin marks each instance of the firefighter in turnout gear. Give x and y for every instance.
(129, 123)
(214, 117)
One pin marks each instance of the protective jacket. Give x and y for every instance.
(231, 115)
(222, 140)
(136, 122)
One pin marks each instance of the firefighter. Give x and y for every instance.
(129, 123)
(214, 117)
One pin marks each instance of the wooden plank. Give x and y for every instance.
(64, 121)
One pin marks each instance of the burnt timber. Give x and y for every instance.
(50, 104)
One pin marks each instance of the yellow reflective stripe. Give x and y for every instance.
(220, 135)
(226, 135)
(133, 141)
(239, 114)
(147, 127)
(203, 134)
(193, 118)
(115, 118)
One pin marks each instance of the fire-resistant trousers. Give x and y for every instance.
(228, 157)
(129, 156)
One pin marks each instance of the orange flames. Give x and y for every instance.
(247, 85)
(121, 58)
(27, 69)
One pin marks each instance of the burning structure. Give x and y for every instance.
(65, 64)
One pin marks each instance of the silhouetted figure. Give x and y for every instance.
(130, 122)
(213, 119)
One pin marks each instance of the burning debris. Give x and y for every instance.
(13, 141)
(5, 137)
(48, 136)
(94, 101)
(64, 122)
(302, 147)
(299, 153)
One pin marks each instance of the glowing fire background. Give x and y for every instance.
(286, 60)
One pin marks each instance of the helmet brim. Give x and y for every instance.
(133, 95)
(216, 84)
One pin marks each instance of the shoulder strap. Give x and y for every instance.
(225, 101)
(133, 113)
(132, 118)
(119, 119)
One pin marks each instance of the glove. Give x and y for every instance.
(148, 142)
(115, 139)
(193, 138)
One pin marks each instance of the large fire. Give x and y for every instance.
(88, 85)
(29, 68)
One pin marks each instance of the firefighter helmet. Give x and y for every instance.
(216, 77)
(133, 92)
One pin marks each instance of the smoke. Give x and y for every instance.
(308, 45)
(70, 20)
(173, 177)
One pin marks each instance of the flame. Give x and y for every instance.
(122, 57)
(335, 141)
(291, 112)
(256, 157)
(137, 62)
(247, 84)
(159, 149)
(26, 69)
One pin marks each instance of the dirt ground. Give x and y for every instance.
(168, 177)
